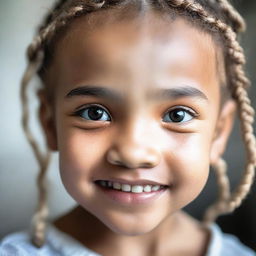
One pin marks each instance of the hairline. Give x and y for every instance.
(167, 15)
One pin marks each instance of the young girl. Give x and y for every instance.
(138, 98)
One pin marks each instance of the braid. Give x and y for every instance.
(56, 20)
(239, 84)
(246, 114)
(233, 15)
(224, 192)
(48, 32)
(35, 55)
(49, 17)
(43, 159)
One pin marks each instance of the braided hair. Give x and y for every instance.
(219, 17)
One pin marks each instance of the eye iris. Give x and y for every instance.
(95, 113)
(177, 115)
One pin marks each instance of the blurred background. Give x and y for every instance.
(18, 168)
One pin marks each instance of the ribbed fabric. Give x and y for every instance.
(61, 244)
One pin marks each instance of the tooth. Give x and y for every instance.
(116, 185)
(103, 183)
(155, 187)
(110, 184)
(137, 189)
(147, 188)
(126, 187)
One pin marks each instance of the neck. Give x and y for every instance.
(167, 238)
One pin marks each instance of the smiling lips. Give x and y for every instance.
(147, 188)
(130, 194)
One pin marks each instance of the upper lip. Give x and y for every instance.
(134, 182)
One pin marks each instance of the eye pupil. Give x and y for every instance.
(95, 113)
(177, 115)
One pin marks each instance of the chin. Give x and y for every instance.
(130, 225)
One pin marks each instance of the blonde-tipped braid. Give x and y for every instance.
(47, 32)
(246, 114)
(212, 212)
(239, 83)
(238, 22)
(35, 56)
(41, 213)
(57, 6)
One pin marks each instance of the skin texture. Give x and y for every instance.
(136, 60)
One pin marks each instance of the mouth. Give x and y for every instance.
(130, 188)
(125, 193)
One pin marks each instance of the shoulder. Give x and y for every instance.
(226, 245)
(19, 244)
(57, 244)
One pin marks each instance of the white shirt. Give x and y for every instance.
(61, 244)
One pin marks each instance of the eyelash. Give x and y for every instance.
(88, 107)
(186, 111)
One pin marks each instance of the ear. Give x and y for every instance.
(222, 131)
(46, 115)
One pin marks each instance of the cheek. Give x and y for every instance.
(80, 153)
(189, 163)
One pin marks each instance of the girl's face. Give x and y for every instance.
(135, 103)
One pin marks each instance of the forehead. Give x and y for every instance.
(156, 47)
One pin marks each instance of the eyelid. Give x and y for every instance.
(188, 109)
(85, 106)
(90, 105)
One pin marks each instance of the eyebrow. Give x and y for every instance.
(175, 93)
(96, 91)
(161, 94)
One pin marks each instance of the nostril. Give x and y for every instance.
(131, 166)
(119, 163)
(132, 158)
(125, 165)
(146, 165)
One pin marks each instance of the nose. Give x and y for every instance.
(134, 147)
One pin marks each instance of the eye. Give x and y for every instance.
(94, 113)
(179, 115)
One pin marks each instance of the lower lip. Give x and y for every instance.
(128, 198)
